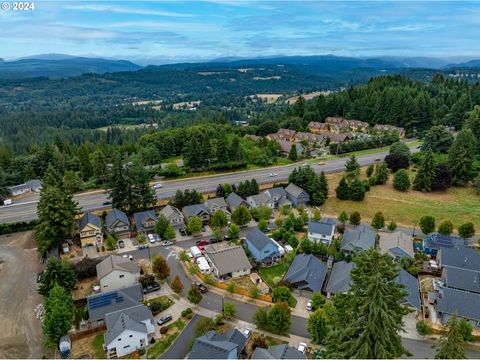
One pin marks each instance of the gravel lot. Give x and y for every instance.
(21, 335)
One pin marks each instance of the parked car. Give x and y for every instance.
(201, 248)
(247, 332)
(121, 244)
(302, 347)
(158, 186)
(151, 238)
(226, 237)
(141, 247)
(309, 305)
(183, 232)
(204, 228)
(164, 319)
(266, 230)
(214, 241)
(167, 243)
(202, 287)
(202, 242)
(151, 288)
(130, 257)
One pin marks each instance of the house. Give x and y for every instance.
(28, 187)
(321, 232)
(411, 286)
(260, 199)
(433, 243)
(216, 204)
(460, 268)
(233, 200)
(128, 330)
(297, 195)
(145, 221)
(286, 146)
(282, 351)
(317, 127)
(199, 210)
(397, 244)
(333, 138)
(99, 305)
(279, 197)
(339, 279)
(227, 261)
(390, 128)
(174, 216)
(90, 229)
(258, 281)
(361, 238)
(357, 125)
(463, 304)
(116, 272)
(117, 223)
(310, 138)
(213, 345)
(282, 134)
(306, 272)
(336, 124)
(262, 248)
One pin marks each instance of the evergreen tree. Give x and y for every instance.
(58, 315)
(253, 187)
(378, 221)
(366, 323)
(473, 123)
(343, 217)
(451, 344)
(357, 190)
(461, 156)
(438, 140)
(343, 190)
(426, 174)
(323, 184)
(355, 218)
(118, 186)
(352, 167)
(57, 272)
(381, 174)
(401, 180)
(52, 178)
(370, 170)
(293, 155)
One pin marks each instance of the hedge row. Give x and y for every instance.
(11, 228)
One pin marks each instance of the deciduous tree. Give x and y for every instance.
(160, 267)
(427, 224)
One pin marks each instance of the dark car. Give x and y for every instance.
(202, 287)
(107, 203)
(183, 232)
(151, 288)
(214, 241)
(266, 230)
(204, 228)
(202, 242)
(164, 319)
(121, 244)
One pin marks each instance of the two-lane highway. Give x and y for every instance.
(26, 209)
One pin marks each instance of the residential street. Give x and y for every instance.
(179, 348)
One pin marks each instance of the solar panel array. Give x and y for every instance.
(104, 300)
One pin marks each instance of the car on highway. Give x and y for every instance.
(378, 159)
(164, 319)
(321, 163)
(121, 244)
(158, 186)
(7, 202)
(202, 242)
(202, 287)
(302, 347)
(166, 243)
(107, 203)
(272, 174)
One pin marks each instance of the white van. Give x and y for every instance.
(195, 251)
(203, 265)
(7, 202)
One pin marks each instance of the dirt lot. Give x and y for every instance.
(21, 335)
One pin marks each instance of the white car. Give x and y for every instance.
(247, 332)
(309, 305)
(302, 347)
(158, 186)
(273, 174)
(151, 238)
(167, 243)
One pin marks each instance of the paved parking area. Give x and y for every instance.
(300, 309)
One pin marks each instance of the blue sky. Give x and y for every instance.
(195, 30)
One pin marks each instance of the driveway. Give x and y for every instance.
(180, 347)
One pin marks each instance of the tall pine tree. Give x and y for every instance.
(426, 174)
(461, 156)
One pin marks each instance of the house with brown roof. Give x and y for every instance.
(397, 244)
(337, 138)
(317, 127)
(336, 124)
(310, 138)
(286, 146)
(390, 128)
(357, 125)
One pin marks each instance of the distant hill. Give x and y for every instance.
(58, 66)
(468, 64)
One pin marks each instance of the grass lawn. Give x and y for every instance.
(161, 346)
(459, 205)
(97, 346)
(179, 324)
(269, 273)
(272, 341)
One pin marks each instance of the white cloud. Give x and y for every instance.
(126, 10)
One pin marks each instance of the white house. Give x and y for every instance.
(116, 272)
(321, 232)
(128, 330)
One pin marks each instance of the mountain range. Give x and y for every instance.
(61, 65)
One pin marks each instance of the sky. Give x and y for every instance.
(173, 31)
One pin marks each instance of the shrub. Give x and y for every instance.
(231, 287)
(423, 328)
(189, 316)
(401, 181)
(187, 311)
(163, 330)
(141, 351)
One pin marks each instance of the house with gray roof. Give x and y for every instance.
(262, 248)
(279, 196)
(464, 304)
(460, 268)
(199, 210)
(174, 216)
(297, 195)
(234, 200)
(116, 272)
(339, 279)
(361, 238)
(306, 272)
(213, 345)
(397, 244)
(145, 221)
(263, 198)
(128, 330)
(228, 261)
(216, 204)
(98, 305)
(282, 351)
(34, 185)
(117, 222)
(410, 284)
(320, 232)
